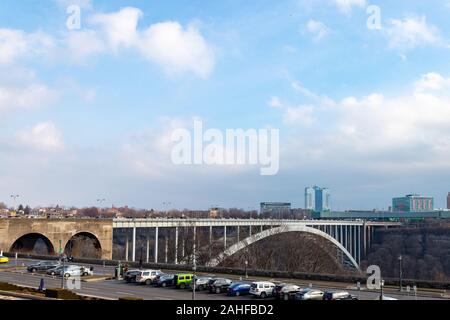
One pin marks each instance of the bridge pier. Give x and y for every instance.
(210, 242)
(225, 237)
(126, 246)
(133, 247)
(148, 247)
(176, 245)
(156, 243)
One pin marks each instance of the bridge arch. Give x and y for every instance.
(84, 244)
(279, 230)
(33, 243)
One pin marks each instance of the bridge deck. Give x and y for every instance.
(172, 223)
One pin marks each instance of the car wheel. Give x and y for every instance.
(148, 282)
(201, 288)
(67, 275)
(182, 286)
(217, 290)
(84, 274)
(33, 270)
(263, 295)
(286, 297)
(238, 293)
(164, 285)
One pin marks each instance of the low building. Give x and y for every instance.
(448, 201)
(413, 203)
(275, 209)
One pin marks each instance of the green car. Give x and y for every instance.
(182, 281)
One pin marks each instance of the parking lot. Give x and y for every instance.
(102, 285)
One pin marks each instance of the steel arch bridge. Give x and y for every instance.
(352, 238)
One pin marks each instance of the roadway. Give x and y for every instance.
(114, 289)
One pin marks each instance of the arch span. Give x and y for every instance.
(33, 243)
(271, 232)
(84, 244)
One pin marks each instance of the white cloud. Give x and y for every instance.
(177, 49)
(17, 44)
(412, 32)
(303, 115)
(318, 29)
(346, 6)
(275, 102)
(44, 136)
(432, 81)
(119, 28)
(169, 44)
(30, 96)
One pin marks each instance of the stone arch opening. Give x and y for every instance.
(84, 245)
(35, 243)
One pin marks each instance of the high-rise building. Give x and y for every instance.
(448, 201)
(317, 199)
(413, 203)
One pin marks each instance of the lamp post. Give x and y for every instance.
(400, 272)
(194, 269)
(246, 269)
(381, 288)
(100, 201)
(15, 197)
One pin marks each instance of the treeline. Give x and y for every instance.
(424, 248)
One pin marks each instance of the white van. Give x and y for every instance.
(262, 289)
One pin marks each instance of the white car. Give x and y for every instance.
(262, 289)
(147, 276)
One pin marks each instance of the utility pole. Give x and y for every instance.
(400, 261)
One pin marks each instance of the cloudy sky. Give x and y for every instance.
(86, 113)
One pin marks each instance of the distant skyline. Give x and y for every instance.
(88, 113)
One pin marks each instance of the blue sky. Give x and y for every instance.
(88, 113)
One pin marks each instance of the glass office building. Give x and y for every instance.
(317, 199)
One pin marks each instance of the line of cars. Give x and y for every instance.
(214, 285)
(56, 268)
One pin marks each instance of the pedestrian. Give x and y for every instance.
(41, 285)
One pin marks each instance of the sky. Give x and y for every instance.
(359, 92)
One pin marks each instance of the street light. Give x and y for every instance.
(100, 201)
(194, 269)
(15, 197)
(381, 287)
(400, 272)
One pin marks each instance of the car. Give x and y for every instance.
(200, 283)
(66, 271)
(3, 259)
(210, 283)
(183, 280)
(220, 286)
(285, 291)
(130, 275)
(43, 266)
(165, 280)
(147, 276)
(86, 271)
(262, 289)
(239, 289)
(338, 295)
(309, 294)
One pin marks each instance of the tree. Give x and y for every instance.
(3, 206)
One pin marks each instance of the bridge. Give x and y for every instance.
(180, 240)
(351, 238)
